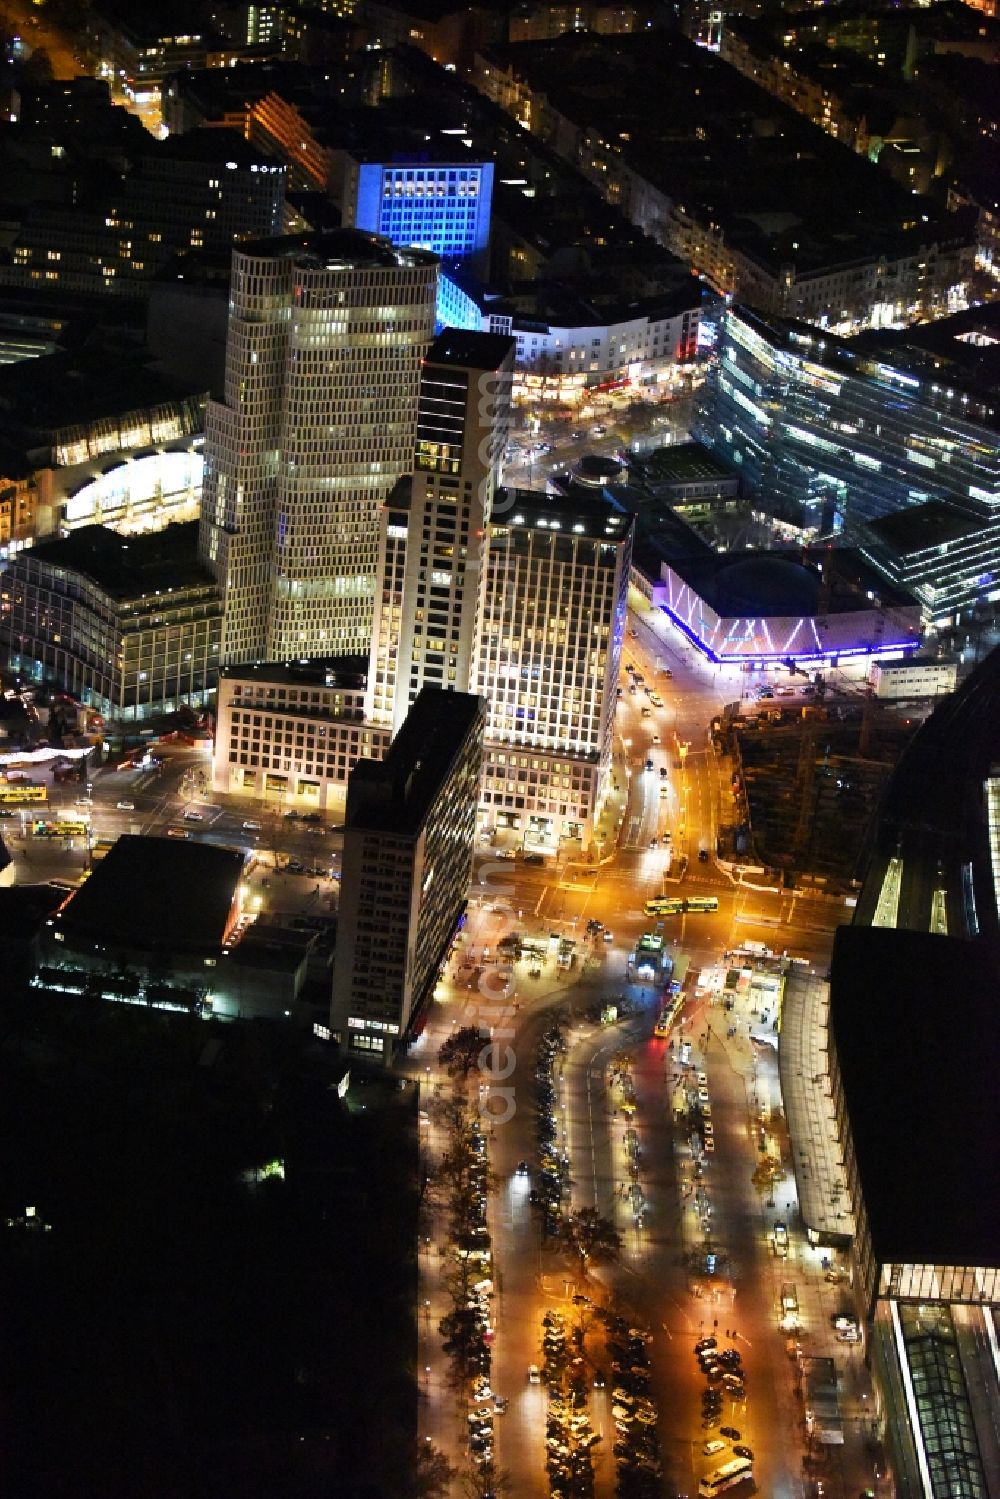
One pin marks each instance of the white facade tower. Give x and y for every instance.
(433, 530)
(318, 421)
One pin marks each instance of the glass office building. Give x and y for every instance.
(867, 438)
(831, 433)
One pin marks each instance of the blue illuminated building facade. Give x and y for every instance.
(456, 307)
(439, 206)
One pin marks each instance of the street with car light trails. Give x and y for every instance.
(673, 1202)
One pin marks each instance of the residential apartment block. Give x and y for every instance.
(711, 166)
(318, 421)
(408, 842)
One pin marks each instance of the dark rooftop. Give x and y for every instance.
(920, 1090)
(395, 794)
(336, 249)
(964, 349)
(129, 567)
(681, 463)
(579, 512)
(484, 351)
(41, 396)
(783, 584)
(211, 143)
(161, 894)
(922, 527)
(319, 671)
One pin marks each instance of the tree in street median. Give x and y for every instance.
(589, 1237)
(461, 1052)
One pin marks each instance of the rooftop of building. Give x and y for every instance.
(213, 144)
(591, 295)
(681, 463)
(221, 91)
(162, 894)
(950, 364)
(23, 908)
(271, 949)
(396, 794)
(922, 528)
(39, 397)
(963, 348)
(576, 513)
(920, 1091)
(665, 537)
(481, 351)
(785, 584)
(716, 141)
(336, 250)
(180, 19)
(129, 567)
(349, 672)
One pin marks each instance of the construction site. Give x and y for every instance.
(807, 782)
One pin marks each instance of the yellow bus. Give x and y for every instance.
(663, 905)
(702, 903)
(101, 847)
(60, 829)
(667, 1016)
(12, 791)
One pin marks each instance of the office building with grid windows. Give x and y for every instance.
(317, 422)
(408, 841)
(433, 529)
(291, 733)
(440, 206)
(548, 663)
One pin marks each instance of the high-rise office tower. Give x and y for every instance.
(549, 657)
(441, 205)
(318, 421)
(433, 528)
(408, 841)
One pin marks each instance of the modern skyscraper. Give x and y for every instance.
(408, 840)
(433, 529)
(318, 419)
(549, 658)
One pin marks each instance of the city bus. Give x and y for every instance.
(13, 791)
(664, 905)
(740, 1470)
(60, 829)
(702, 903)
(102, 847)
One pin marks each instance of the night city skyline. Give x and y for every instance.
(499, 750)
